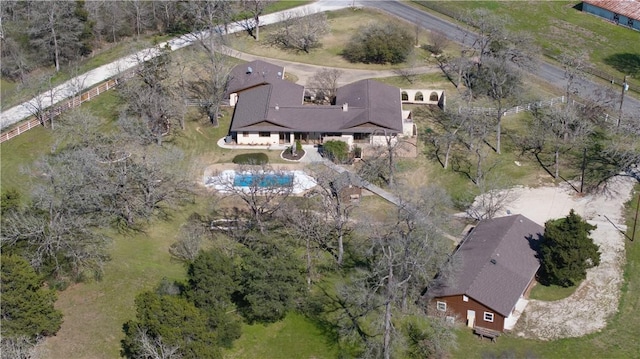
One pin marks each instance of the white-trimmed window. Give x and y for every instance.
(488, 317)
(441, 306)
(245, 134)
(465, 298)
(264, 134)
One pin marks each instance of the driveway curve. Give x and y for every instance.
(596, 299)
(305, 71)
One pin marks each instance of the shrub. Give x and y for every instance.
(251, 159)
(336, 151)
(298, 146)
(379, 44)
(357, 152)
(567, 250)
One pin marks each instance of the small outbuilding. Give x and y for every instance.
(499, 262)
(621, 12)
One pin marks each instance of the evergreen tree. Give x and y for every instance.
(211, 283)
(567, 250)
(167, 323)
(27, 308)
(270, 281)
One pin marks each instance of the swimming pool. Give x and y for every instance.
(231, 180)
(263, 180)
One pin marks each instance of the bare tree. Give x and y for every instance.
(325, 84)
(406, 252)
(254, 8)
(307, 223)
(473, 136)
(21, 347)
(43, 97)
(151, 93)
(438, 42)
(332, 190)
(448, 124)
(111, 19)
(210, 78)
(190, 239)
(564, 128)
(155, 348)
(141, 11)
(56, 30)
(300, 31)
(493, 198)
(260, 190)
(489, 28)
(15, 61)
(380, 162)
(574, 65)
(502, 84)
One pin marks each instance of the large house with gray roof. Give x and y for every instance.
(269, 110)
(498, 266)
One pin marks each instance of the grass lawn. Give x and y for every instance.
(343, 23)
(19, 153)
(293, 337)
(551, 292)
(94, 312)
(559, 26)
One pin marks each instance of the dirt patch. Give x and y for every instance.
(596, 299)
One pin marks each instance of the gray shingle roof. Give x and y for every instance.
(261, 72)
(277, 105)
(498, 262)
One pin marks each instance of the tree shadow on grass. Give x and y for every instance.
(626, 63)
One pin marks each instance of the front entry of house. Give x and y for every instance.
(471, 318)
(285, 137)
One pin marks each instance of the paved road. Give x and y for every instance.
(547, 71)
(85, 81)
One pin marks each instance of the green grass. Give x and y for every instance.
(94, 312)
(557, 27)
(343, 23)
(293, 337)
(17, 154)
(551, 292)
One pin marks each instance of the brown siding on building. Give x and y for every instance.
(457, 306)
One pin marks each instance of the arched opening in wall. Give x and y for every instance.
(433, 96)
(405, 96)
(419, 96)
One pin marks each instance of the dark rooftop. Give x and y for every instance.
(498, 262)
(278, 105)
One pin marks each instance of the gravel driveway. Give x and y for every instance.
(596, 299)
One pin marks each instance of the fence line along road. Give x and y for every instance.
(53, 112)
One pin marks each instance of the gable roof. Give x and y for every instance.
(628, 8)
(498, 262)
(372, 106)
(252, 74)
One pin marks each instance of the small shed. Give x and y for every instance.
(621, 12)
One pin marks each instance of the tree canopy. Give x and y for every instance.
(567, 250)
(27, 307)
(379, 44)
(172, 324)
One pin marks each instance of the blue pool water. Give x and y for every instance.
(263, 180)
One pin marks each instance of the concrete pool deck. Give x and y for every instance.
(224, 181)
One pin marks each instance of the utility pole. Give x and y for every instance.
(625, 87)
(635, 221)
